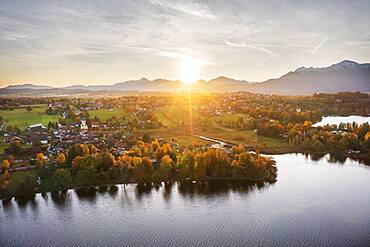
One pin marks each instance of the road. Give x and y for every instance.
(2, 125)
(211, 139)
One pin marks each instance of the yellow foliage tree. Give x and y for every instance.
(40, 159)
(367, 136)
(166, 161)
(5, 165)
(61, 159)
(93, 149)
(85, 149)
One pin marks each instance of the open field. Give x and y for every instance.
(23, 118)
(180, 134)
(177, 113)
(104, 114)
(172, 116)
(229, 117)
(248, 137)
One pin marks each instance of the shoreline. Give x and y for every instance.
(127, 182)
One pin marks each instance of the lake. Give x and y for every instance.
(317, 201)
(339, 119)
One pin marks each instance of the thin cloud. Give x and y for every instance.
(194, 9)
(243, 44)
(318, 46)
(170, 54)
(227, 42)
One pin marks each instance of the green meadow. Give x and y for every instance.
(23, 118)
(104, 114)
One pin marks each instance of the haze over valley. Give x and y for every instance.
(343, 76)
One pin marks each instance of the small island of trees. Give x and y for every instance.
(146, 162)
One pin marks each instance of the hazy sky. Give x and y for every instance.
(60, 42)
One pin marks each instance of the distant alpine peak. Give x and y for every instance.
(143, 79)
(348, 63)
(345, 65)
(225, 79)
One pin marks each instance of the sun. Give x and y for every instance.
(189, 70)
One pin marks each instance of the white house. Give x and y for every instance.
(83, 125)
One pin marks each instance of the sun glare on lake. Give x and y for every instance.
(189, 70)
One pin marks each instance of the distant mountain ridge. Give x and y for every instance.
(344, 76)
(28, 86)
(345, 65)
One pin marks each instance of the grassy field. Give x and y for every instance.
(104, 114)
(23, 118)
(247, 137)
(175, 116)
(181, 112)
(229, 117)
(180, 134)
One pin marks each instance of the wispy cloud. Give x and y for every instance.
(194, 9)
(170, 54)
(318, 46)
(243, 44)
(234, 44)
(48, 40)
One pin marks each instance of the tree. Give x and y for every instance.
(5, 165)
(93, 149)
(40, 159)
(61, 159)
(85, 176)
(104, 161)
(26, 187)
(155, 145)
(85, 149)
(6, 175)
(200, 165)
(11, 160)
(73, 152)
(367, 136)
(62, 179)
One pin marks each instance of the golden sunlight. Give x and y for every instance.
(189, 70)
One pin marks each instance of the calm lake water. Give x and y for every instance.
(338, 119)
(316, 202)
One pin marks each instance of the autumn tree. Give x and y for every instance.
(61, 159)
(40, 159)
(5, 165)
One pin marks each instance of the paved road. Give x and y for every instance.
(211, 140)
(2, 126)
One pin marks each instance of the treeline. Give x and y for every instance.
(84, 165)
(336, 139)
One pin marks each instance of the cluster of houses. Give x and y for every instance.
(64, 136)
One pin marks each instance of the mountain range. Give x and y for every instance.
(344, 76)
